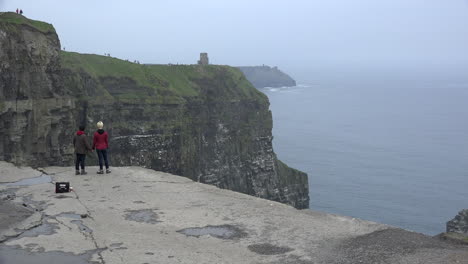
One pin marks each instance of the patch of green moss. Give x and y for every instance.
(13, 18)
(458, 236)
(455, 237)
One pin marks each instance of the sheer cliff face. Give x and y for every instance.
(203, 122)
(34, 111)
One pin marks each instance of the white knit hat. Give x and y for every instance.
(100, 125)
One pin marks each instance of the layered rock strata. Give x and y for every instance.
(206, 123)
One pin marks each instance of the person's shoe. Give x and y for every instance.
(77, 172)
(100, 172)
(108, 171)
(83, 172)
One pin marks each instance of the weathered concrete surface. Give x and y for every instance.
(11, 173)
(135, 215)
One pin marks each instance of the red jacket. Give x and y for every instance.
(100, 139)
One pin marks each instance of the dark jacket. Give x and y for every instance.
(100, 139)
(81, 143)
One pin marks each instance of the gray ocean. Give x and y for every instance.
(390, 148)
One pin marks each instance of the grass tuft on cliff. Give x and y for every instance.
(13, 18)
(130, 82)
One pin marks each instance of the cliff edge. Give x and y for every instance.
(207, 123)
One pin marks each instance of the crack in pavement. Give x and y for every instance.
(61, 222)
(98, 249)
(13, 237)
(7, 183)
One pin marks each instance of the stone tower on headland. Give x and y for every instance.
(203, 59)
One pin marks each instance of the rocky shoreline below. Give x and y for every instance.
(136, 215)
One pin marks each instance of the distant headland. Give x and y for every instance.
(266, 76)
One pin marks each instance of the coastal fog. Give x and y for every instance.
(290, 34)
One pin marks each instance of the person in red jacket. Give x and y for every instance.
(101, 144)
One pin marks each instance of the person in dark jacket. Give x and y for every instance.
(101, 144)
(80, 142)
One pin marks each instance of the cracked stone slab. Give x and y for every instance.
(15, 219)
(31, 181)
(82, 227)
(11, 213)
(122, 229)
(14, 255)
(11, 173)
(54, 236)
(46, 228)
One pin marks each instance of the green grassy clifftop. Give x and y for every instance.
(127, 81)
(7, 19)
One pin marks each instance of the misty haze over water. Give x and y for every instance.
(379, 145)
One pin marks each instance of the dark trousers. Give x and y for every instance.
(102, 154)
(80, 161)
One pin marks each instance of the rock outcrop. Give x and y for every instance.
(265, 76)
(206, 123)
(36, 112)
(459, 224)
(457, 229)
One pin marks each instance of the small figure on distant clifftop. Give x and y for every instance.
(80, 142)
(17, 11)
(21, 11)
(101, 144)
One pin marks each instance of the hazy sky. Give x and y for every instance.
(252, 32)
